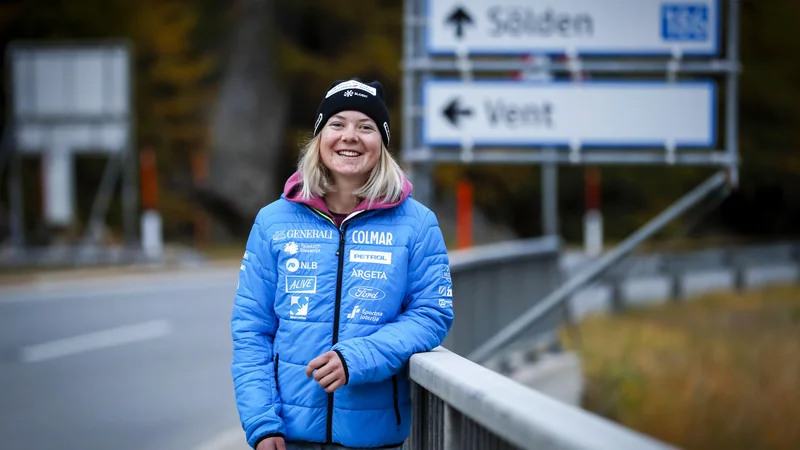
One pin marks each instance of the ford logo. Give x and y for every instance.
(366, 293)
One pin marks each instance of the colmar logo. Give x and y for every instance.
(372, 237)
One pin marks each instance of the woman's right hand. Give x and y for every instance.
(272, 443)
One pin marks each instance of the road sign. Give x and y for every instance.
(591, 114)
(611, 27)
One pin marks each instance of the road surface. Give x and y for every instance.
(134, 362)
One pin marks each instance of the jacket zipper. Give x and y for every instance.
(277, 358)
(337, 304)
(396, 397)
(337, 308)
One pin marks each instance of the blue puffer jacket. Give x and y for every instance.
(376, 290)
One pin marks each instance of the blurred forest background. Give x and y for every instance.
(225, 90)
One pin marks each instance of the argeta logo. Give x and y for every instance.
(362, 256)
(353, 313)
(298, 308)
(301, 285)
(368, 274)
(292, 265)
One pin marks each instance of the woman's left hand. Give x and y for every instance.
(329, 371)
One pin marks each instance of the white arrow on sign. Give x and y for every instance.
(593, 114)
(583, 26)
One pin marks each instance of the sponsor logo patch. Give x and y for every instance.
(361, 256)
(298, 308)
(301, 285)
(372, 237)
(359, 313)
(368, 274)
(366, 293)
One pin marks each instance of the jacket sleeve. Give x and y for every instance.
(253, 327)
(424, 322)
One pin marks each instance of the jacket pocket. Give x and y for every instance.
(396, 399)
(277, 359)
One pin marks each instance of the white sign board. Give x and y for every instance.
(607, 27)
(70, 82)
(589, 114)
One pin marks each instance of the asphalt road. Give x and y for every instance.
(125, 363)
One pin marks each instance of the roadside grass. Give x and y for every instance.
(718, 372)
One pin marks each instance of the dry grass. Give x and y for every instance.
(721, 372)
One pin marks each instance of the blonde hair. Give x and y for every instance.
(385, 183)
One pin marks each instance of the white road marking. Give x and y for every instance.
(232, 439)
(88, 292)
(112, 337)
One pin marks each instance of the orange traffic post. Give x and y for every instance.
(464, 214)
(152, 228)
(148, 173)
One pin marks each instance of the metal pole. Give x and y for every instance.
(732, 93)
(16, 210)
(550, 197)
(101, 201)
(130, 165)
(528, 318)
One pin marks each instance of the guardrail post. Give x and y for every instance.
(617, 297)
(677, 289)
(452, 429)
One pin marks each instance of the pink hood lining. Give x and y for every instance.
(291, 191)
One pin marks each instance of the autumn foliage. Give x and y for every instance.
(720, 372)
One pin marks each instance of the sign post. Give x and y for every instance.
(623, 115)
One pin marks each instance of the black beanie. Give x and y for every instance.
(353, 95)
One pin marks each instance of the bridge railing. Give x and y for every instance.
(460, 405)
(493, 284)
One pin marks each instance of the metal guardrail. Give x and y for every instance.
(494, 284)
(542, 311)
(460, 405)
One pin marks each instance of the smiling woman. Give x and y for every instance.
(323, 328)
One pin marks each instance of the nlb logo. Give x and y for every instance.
(372, 237)
(293, 265)
(366, 293)
(361, 256)
(301, 285)
(445, 291)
